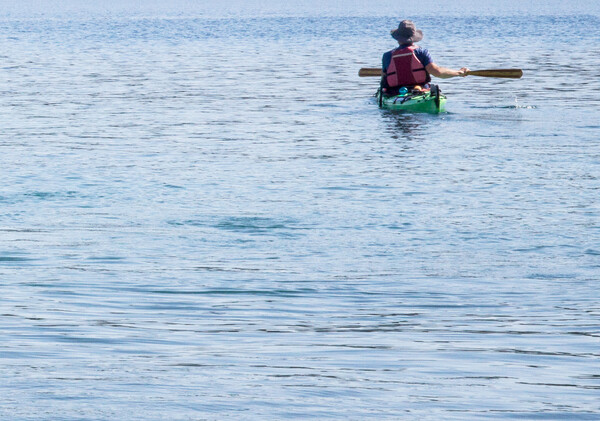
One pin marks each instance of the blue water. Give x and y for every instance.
(204, 215)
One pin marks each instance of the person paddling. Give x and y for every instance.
(410, 66)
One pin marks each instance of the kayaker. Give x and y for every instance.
(410, 65)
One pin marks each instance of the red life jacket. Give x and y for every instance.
(405, 69)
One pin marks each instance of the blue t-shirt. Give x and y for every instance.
(421, 53)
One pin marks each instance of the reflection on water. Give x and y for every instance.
(405, 125)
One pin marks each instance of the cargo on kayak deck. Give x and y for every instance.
(416, 100)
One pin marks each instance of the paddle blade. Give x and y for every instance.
(369, 71)
(501, 73)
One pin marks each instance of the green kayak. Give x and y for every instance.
(431, 102)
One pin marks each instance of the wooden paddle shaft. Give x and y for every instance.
(501, 73)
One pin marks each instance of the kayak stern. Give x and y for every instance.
(431, 102)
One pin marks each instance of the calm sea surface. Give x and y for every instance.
(204, 215)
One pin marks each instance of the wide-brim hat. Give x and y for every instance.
(407, 32)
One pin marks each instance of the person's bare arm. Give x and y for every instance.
(444, 72)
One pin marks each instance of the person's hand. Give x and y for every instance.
(463, 72)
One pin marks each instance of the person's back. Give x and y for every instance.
(405, 67)
(410, 65)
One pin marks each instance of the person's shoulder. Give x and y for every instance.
(422, 51)
(423, 55)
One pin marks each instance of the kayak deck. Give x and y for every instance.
(432, 102)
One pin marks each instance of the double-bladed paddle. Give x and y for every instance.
(501, 73)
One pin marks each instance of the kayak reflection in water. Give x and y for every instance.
(410, 66)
